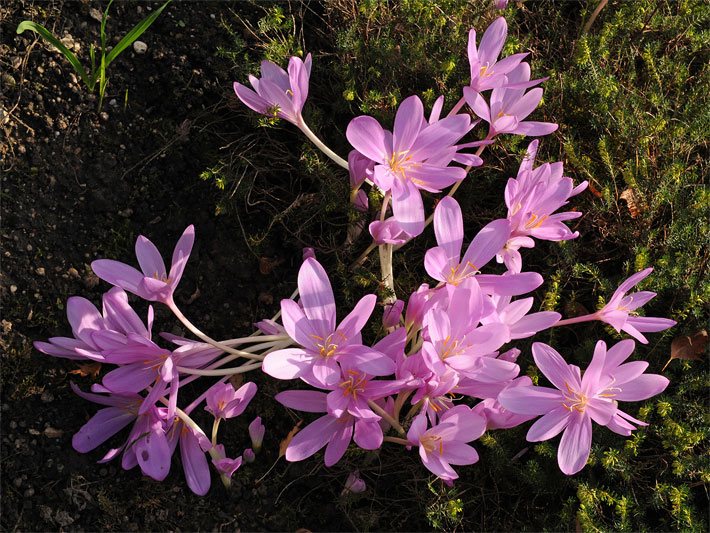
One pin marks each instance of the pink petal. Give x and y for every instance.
(368, 434)
(194, 463)
(153, 454)
(84, 318)
(309, 401)
(407, 123)
(437, 263)
(339, 443)
(251, 99)
(289, 363)
(317, 297)
(492, 41)
(297, 325)
(554, 367)
(149, 258)
(509, 284)
(352, 324)
(101, 427)
(535, 129)
(550, 425)
(530, 400)
(642, 388)
(477, 103)
(181, 254)
(367, 136)
(408, 208)
(448, 227)
(458, 453)
(487, 243)
(119, 274)
(575, 445)
(312, 438)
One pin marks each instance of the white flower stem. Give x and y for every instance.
(384, 414)
(220, 371)
(209, 340)
(321, 145)
(576, 320)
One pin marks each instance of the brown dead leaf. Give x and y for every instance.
(594, 190)
(53, 433)
(291, 434)
(689, 347)
(267, 264)
(633, 202)
(91, 369)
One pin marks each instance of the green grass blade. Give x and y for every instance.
(51, 39)
(136, 32)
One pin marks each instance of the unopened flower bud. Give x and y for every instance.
(354, 484)
(249, 456)
(256, 432)
(392, 314)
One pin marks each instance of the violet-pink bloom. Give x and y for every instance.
(455, 341)
(224, 465)
(118, 317)
(360, 168)
(532, 198)
(354, 390)
(510, 106)
(486, 71)
(269, 327)
(618, 312)
(444, 262)
(578, 400)
(121, 410)
(354, 484)
(414, 157)
(248, 456)
(446, 443)
(330, 431)
(225, 402)
(152, 282)
(323, 344)
(278, 93)
(500, 4)
(147, 445)
(388, 231)
(256, 433)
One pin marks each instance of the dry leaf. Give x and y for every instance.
(594, 190)
(291, 434)
(53, 433)
(266, 264)
(689, 347)
(633, 202)
(91, 369)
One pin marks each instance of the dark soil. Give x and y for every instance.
(79, 184)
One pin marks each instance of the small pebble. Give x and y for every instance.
(113, 102)
(139, 47)
(40, 271)
(29, 248)
(13, 289)
(29, 492)
(47, 397)
(104, 116)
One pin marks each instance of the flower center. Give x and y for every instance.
(574, 399)
(431, 443)
(486, 71)
(535, 221)
(326, 347)
(451, 348)
(354, 385)
(399, 163)
(460, 272)
(164, 278)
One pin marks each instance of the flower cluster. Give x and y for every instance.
(444, 369)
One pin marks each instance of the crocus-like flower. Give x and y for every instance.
(532, 198)
(248, 456)
(85, 320)
(193, 445)
(388, 231)
(446, 443)
(330, 431)
(444, 262)
(510, 106)
(278, 93)
(618, 312)
(256, 433)
(515, 316)
(153, 283)
(401, 158)
(578, 400)
(354, 484)
(224, 465)
(322, 344)
(393, 314)
(225, 402)
(486, 71)
(497, 416)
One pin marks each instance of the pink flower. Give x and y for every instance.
(388, 231)
(278, 93)
(323, 344)
(444, 262)
(510, 105)
(153, 283)
(85, 320)
(578, 400)
(414, 157)
(392, 315)
(330, 431)
(514, 315)
(225, 402)
(486, 71)
(532, 198)
(354, 484)
(497, 416)
(446, 443)
(224, 465)
(193, 446)
(618, 311)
